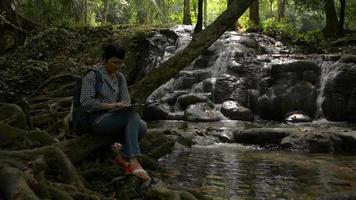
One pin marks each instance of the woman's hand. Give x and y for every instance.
(121, 104)
(111, 106)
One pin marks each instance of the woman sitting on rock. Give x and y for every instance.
(114, 95)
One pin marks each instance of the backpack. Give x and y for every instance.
(80, 117)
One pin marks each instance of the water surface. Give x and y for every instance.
(233, 171)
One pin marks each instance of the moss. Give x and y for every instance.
(13, 115)
(156, 145)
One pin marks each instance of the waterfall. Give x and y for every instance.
(328, 70)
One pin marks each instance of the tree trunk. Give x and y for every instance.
(332, 24)
(86, 12)
(199, 25)
(187, 20)
(12, 26)
(141, 13)
(255, 13)
(233, 26)
(342, 17)
(200, 42)
(270, 3)
(205, 18)
(105, 12)
(164, 7)
(281, 9)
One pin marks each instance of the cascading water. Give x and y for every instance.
(261, 67)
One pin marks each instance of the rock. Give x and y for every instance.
(348, 59)
(297, 66)
(186, 79)
(340, 93)
(284, 89)
(156, 112)
(176, 115)
(262, 136)
(232, 110)
(310, 76)
(249, 42)
(156, 144)
(229, 87)
(185, 100)
(163, 193)
(202, 112)
(344, 142)
(313, 142)
(209, 85)
(297, 116)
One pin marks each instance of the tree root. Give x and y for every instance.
(60, 77)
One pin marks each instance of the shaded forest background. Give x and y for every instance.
(286, 17)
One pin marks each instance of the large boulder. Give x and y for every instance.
(262, 136)
(314, 142)
(288, 87)
(344, 141)
(186, 79)
(204, 112)
(185, 100)
(156, 112)
(230, 87)
(232, 110)
(340, 91)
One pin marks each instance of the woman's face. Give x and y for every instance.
(113, 64)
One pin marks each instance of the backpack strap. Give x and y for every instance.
(119, 80)
(98, 82)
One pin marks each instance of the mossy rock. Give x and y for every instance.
(156, 145)
(13, 115)
(163, 193)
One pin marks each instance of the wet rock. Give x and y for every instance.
(156, 144)
(313, 142)
(156, 112)
(186, 79)
(202, 112)
(310, 76)
(288, 87)
(340, 94)
(209, 85)
(249, 42)
(229, 87)
(297, 116)
(262, 136)
(185, 100)
(344, 141)
(348, 59)
(297, 66)
(179, 115)
(232, 110)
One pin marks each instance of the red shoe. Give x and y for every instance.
(124, 164)
(139, 172)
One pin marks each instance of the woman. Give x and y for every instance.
(114, 95)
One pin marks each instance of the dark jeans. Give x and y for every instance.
(128, 123)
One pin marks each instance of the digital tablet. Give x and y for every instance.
(129, 107)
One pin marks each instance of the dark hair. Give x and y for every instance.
(113, 51)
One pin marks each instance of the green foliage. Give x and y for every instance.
(284, 28)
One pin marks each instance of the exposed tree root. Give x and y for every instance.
(56, 78)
